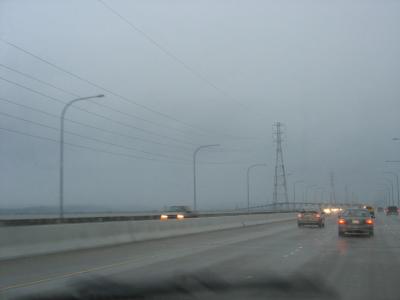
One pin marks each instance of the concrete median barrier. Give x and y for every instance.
(19, 241)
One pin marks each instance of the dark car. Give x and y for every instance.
(355, 221)
(311, 218)
(179, 212)
(392, 210)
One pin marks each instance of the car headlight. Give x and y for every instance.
(180, 216)
(164, 217)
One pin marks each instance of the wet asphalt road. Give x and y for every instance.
(275, 261)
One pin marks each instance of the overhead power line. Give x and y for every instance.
(94, 103)
(124, 155)
(92, 138)
(103, 130)
(96, 114)
(122, 97)
(77, 145)
(107, 90)
(171, 55)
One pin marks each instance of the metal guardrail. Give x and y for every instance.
(77, 220)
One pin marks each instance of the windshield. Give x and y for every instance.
(178, 209)
(168, 149)
(356, 213)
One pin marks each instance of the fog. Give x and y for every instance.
(194, 73)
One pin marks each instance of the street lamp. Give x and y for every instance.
(397, 183)
(62, 120)
(248, 182)
(194, 172)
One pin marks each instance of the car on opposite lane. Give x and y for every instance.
(312, 217)
(355, 221)
(178, 212)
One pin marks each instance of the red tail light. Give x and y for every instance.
(342, 221)
(318, 216)
(369, 221)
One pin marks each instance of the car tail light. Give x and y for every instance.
(317, 215)
(300, 215)
(342, 221)
(369, 221)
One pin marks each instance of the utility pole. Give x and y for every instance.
(280, 173)
(195, 173)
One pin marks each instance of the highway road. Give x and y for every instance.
(274, 261)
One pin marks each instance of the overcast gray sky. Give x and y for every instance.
(223, 72)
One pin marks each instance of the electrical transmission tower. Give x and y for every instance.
(333, 194)
(280, 173)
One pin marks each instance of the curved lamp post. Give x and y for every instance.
(194, 172)
(62, 121)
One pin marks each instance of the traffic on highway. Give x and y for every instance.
(302, 263)
(190, 149)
